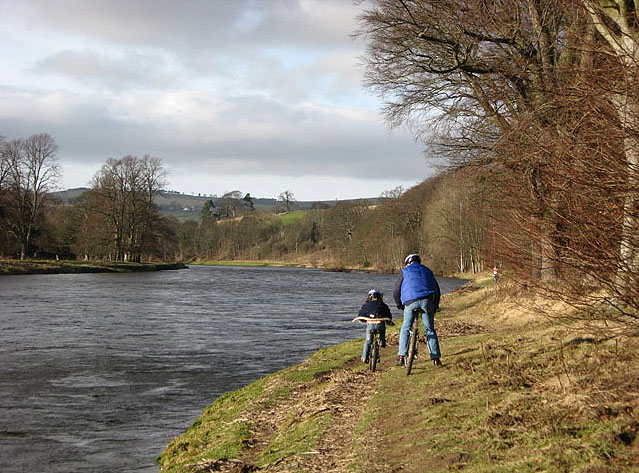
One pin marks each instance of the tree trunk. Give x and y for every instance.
(628, 269)
(625, 44)
(548, 260)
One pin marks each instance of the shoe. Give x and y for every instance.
(400, 360)
(364, 360)
(437, 362)
(382, 344)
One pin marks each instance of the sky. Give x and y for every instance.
(259, 96)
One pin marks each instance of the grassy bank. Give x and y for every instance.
(327, 264)
(517, 393)
(15, 267)
(244, 263)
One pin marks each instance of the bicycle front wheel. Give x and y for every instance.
(412, 350)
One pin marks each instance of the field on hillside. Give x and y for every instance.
(188, 207)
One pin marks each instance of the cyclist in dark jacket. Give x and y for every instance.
(374, 308)
(417, 290)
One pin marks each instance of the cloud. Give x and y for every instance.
(298, 47)
(91, 67)
(233, 135)
(202, 24)
(211, 87)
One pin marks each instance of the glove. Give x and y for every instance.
(400, 306)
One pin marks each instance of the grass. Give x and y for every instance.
(322, 361)
(225, 428)
(517, 393)
(291, 217)
(295, 438)
(518, 401)
(220, 432)
(244, 263)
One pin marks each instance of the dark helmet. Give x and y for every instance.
(414, 258)
(374, 294)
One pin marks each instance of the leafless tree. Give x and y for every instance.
(230, 203)
(286, 201)
(471, 69)
(33, 172)
(616, 22)
(543, 95)
(4, 194)
(4, 165)
(122, 193)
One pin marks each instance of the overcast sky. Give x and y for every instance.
(259, 96)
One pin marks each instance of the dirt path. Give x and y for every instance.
(335, 399)
(336, 394)
(344, 393)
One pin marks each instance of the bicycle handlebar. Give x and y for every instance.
(359, 318)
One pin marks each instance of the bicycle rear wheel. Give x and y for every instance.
(374, 355)
(412, 350)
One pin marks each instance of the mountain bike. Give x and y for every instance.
(412, 341)
(373, 355)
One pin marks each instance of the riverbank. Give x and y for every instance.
(517, 392)
(16, 267)
(326, 266)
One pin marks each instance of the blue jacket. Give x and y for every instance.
(415, 282)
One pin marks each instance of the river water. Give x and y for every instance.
(98, 372)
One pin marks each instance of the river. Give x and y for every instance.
(98, 372)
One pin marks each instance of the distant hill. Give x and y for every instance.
(69, 194)
(189, 206)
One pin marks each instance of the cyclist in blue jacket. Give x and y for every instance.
(374, 308)
(417, 290)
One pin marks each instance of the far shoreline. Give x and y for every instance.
(323, 267)
(287, 264)
(15, 267)
(29, 267)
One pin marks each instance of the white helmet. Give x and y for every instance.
(414, 258)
